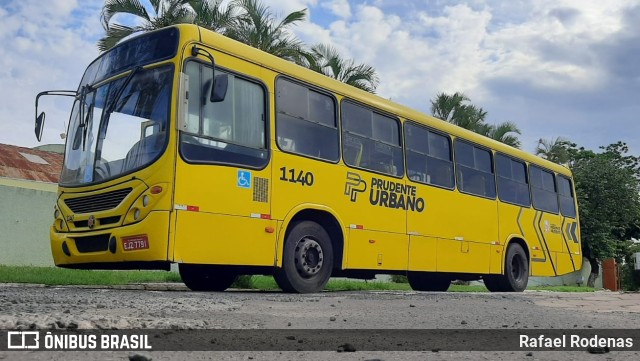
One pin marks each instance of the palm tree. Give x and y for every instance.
(555, 150)
(444, 105)
(504, 133)
(257, 27)
(326, 60)
(454, 109)
(165, 13)
(211, 15)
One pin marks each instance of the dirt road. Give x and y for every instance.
(34, 307)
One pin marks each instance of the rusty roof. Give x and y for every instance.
(29, 164)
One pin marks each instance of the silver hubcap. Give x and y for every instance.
(308, 257)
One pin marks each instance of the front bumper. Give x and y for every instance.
(103, 249)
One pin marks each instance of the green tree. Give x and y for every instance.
(326, 60)
(502, 132)
(555, 150)
(212, 15)
(456, 109)
(607, 187)
(256, 26)
(165, 13)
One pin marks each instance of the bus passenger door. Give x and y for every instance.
(223, 170)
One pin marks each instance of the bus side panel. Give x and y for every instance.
(377, 250)
(422, 253)
(570, 234)
(514, 222)
(378, 237)
(550, 229)
(223, 215)
(542, 261)
(228, 240)
(462, 226)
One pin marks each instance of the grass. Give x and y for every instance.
(59, 276)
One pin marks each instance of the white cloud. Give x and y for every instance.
(547, 57)
(551, 66)
(41, 47)
(339, 8)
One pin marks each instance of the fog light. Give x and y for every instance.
(136, 214)
(145, 201)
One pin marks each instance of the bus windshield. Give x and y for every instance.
(118, 127)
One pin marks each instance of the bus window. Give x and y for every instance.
(231, 131)
(474, 170)
(543, 190)
(306, 121)
(565, 194)
(429, 158)
(512, 181)
(371, 140)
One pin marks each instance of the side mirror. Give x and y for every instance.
(39, 126)
(220, 86)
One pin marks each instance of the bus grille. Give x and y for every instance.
(98, 202)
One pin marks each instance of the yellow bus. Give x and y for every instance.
(187, 147)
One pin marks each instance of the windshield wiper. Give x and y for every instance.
(111, 106)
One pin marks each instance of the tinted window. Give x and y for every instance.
(428, 156)
(474, 170)
(565, 195)
(306, 121)
(371, 140)
(512, 181)
(230, 131)
(543, 190)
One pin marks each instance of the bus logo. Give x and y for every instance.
(91, 221)
(354, 185)
(244, 179)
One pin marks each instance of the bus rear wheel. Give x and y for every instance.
(426, 281)
(516, 272)
(307, 259)
(206, 278)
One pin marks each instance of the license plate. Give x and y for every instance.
(135, 243)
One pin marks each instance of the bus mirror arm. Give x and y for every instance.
(220, 82)
(40, 117)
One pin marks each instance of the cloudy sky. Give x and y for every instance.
(554, 67)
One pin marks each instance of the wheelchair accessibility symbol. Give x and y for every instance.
(244, 179)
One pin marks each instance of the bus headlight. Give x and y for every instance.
(58, 222)
(144, 204)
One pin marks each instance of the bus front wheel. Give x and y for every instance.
(426, 281)
(307, 259)
(516, 272)
(206, 278)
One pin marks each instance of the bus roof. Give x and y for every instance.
(285, 67)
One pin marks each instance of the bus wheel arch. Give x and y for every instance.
(308, 232)
(516, 269)
(329, 221)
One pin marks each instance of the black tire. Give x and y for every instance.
(493, 283)
(307, 259)
(516, 272)
(427, 281)
(206, 278)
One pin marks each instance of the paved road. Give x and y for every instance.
(155, 307)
